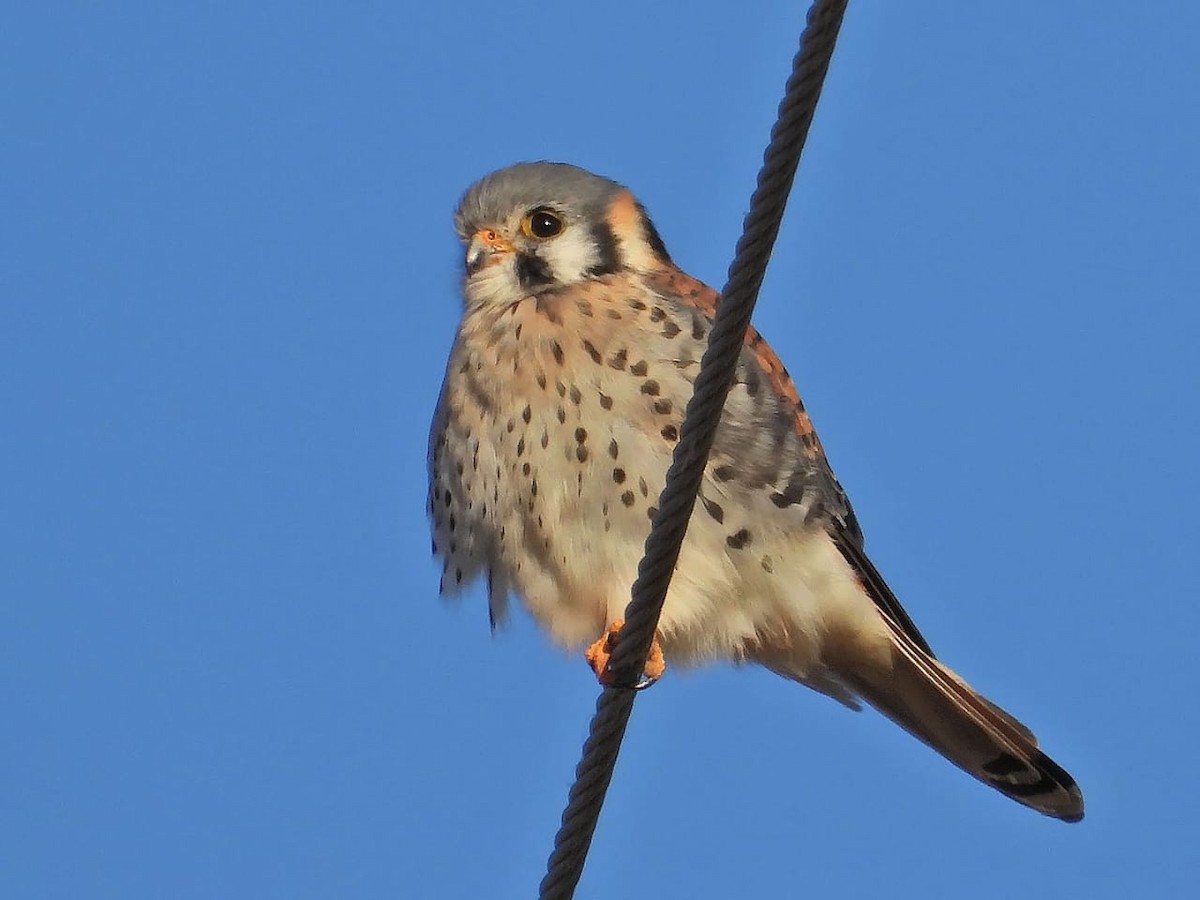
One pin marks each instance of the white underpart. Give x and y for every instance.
(787, 599)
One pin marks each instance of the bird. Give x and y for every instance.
(565, 388)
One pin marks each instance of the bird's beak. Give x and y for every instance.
(486, 248)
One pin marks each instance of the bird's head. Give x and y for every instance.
(533, 227)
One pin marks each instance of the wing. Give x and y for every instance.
(877, 589)
(768, 439)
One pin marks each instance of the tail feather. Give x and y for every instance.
(934, 704)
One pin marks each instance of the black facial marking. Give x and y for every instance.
(532, 272)
(605, 242)
(653, 238)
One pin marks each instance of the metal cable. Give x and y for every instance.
(761, 226)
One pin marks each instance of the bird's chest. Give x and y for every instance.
(554, 432)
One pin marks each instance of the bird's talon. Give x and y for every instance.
(599, 655)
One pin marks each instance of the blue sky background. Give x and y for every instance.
(228, 283)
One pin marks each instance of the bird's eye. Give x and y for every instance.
(541, 223)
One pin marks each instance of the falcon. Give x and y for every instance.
(565, 390)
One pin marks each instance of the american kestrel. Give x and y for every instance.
(564, 394)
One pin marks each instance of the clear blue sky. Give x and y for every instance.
(228, 283)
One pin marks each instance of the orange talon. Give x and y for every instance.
(656, 663)
(600, 653)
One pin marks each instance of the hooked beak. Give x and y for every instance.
(487, 247)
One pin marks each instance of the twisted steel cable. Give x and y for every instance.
(761, 226)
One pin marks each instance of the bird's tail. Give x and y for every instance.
(931, 702)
